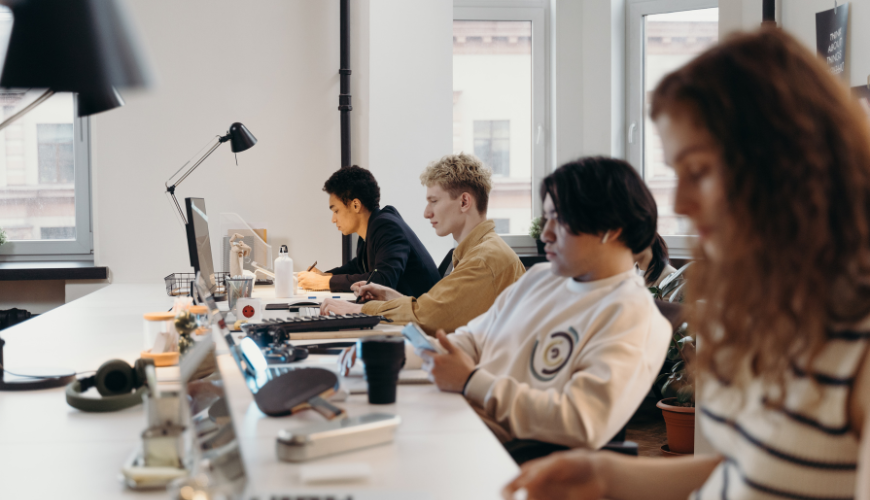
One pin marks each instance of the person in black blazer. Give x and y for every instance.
(386, 242)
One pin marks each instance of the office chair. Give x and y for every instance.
(523, 450)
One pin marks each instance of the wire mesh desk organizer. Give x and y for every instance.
(179, 284)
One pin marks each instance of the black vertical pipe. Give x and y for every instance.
(768, 13)
(345, 107)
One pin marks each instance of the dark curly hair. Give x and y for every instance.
(351, 183)
(597, 194)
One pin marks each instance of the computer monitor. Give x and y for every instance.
(198, 241)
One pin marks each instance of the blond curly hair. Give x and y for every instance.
(459, 174)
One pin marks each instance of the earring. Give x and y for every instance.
(604, 238)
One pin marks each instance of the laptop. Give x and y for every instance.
(283, 390)
(214, 442)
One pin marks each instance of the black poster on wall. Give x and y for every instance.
(831, 37)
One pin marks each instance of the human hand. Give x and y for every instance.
(374, 291)
(313, 281)
(346, 360)
(451, 370)
(338, 306)
(567, 474)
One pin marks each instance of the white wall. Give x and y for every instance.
(798, 17)
(272, 65)
(410, 103)
(590, 78)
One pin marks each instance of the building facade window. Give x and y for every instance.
(499, 93)
(663, 35)
(492, 144)
(55, 153)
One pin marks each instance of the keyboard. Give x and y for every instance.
(276, 331)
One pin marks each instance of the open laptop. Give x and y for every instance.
(214, 441)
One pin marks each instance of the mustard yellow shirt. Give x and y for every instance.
(483, 266)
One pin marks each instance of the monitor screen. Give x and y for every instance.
(198, 241)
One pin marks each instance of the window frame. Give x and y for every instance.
(81, 248)
(679, 246)
(538, 13)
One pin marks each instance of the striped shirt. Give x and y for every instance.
(802, 449)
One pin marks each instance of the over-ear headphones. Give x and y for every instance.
(120, 385)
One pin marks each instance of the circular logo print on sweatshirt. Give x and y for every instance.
(550, 355)
(248, 311)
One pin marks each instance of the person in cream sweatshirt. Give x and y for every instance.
(566, 354)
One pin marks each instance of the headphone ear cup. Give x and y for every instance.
(140, 378)
(114, 377)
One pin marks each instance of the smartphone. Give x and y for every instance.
(418, 339)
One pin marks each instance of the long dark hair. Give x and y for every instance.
(597, 194)
(796, 176)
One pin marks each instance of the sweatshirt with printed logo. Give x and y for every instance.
(563, 361)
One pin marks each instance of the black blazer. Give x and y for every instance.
(391, 247)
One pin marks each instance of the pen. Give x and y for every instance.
(312, 266)
(367, 282)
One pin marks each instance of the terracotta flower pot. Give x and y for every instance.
(680, 422)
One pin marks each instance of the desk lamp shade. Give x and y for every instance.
(241, 138)
(81, 46)
(91, 104)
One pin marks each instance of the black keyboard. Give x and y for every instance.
(276, 331)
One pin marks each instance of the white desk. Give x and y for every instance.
(50, 450)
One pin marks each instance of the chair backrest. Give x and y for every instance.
(9, 317)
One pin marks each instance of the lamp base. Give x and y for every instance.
(32, 379)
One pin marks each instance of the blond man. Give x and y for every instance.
(482, 264)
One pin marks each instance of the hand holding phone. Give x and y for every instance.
(420, 340)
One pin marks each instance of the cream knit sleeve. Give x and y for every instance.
(611, 375)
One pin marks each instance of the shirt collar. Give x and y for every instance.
(473, 238)
(588, 286)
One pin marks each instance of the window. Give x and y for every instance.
(499, 95)
(502, 226)
(44, 173)
(663, 35)
(492, 144)
(55, 153)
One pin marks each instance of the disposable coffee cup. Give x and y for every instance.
(384, 357)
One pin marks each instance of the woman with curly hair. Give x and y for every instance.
(773, 161)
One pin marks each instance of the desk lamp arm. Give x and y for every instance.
(26, 109)
(171, 189)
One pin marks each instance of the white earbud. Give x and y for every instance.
(605, 237)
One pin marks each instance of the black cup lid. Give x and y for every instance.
(381, 346)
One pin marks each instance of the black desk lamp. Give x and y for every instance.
(80, 46)
(240, 139)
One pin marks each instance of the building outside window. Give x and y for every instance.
(492, 144)
(44, 177)
(499, 87)
(663, 36)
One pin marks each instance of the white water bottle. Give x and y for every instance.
(285, 282)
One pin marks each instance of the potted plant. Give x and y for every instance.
(535, 232)
(2, 236)
(678, 394)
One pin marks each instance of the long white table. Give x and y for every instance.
(50, 450)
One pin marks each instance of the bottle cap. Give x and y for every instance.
(283, 249)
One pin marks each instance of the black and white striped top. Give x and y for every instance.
(802, 450)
